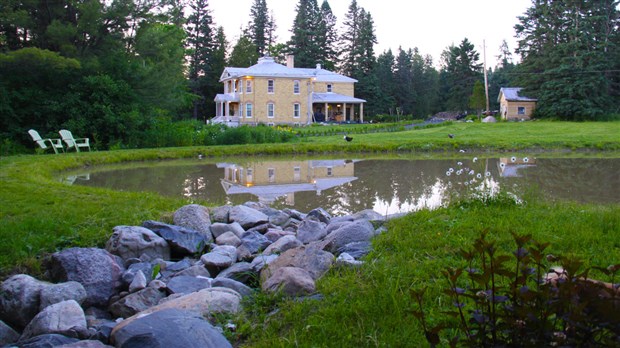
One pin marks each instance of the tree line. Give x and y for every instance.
(112, 69)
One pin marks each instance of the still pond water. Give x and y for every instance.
(343, 186)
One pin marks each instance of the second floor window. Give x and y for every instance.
(296, 110)
(248, 86)
(270, 86)
(296, 87)
(271, 110)
(248, 110)
(330, 88)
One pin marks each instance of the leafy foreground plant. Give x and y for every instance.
(511, 300)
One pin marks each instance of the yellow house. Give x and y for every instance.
(513, 106)
(272, 93)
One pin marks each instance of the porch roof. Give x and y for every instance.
(228, 97)
(335, 98)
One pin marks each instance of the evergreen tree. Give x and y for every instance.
(327, 37)
(570, 54)
(404, 92)
(200, 39)
(459, 72)
(243, 54)
(304, 44)
(349, 40)
(384, 72)
(502, 76)
(259, 26)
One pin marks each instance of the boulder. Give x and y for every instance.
(320, 215)
(183, 241)
(489, 119)
(283, 244)
(221, 257)
(45, 341)
(312, 259)
(195, 217)
(136, 302)
(311, 230)
(240, 271)
(254, 242)
(20, 299)
(187, 284)
(274, 234)
(170, 328)
(345, 259)
(55, 293)
(221, 214)
(239, 287)
(96, 269)
(198, 270)
(247, 217)
(369, 215)
(86, 344)
(356, 249)
(218, 228)
(137, 242)
(261, 261)
(279, 218)
(228, 238)
(356, 231)
(146, 268)
(291, 281)
(57, 318)
(7, 334)
(138, 283)
(206, 303)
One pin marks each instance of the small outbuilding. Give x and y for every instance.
(513, 106)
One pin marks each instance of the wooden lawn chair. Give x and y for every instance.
(54, 144)
(71, 142)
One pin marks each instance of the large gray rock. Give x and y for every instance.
(96, 269)
(146, 268)
(187, 284)
(279, 218)
(239, 287)
(138, 283)
(254, 242)
(228, 238)
(86, 344)
(219, 228)
(206, 303)
(312, 259)
(320, 214)
(182, 240)
(356, 231)
(221, 214)
(218, 259)
(7, 334)
(195, 217)
(198, 270)
(261, 261)
(356, 249)
(283, 244)
(137, 242)
(170, 328)
(311, 230)
(240, 271)
(55, 293)
(274, 234)
(57, 318)
(291, 281)
(136, 302)
(20, 299)
(370, 215)
(247, 217)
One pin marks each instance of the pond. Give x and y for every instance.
(343, 186)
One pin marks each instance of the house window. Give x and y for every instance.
(270, 86)
(248, 110)
(250, 176)
(329, 88)
(330, 171)
(296, 110)
(296, 87)
(296, 174)
(521, 110)
(271, 124)
(271, 172)
(248, 86)
(271, 110)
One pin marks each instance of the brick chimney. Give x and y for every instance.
(290, 61)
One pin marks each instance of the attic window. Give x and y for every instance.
(329, 88)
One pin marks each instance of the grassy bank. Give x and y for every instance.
(371, 306)
(39, 214)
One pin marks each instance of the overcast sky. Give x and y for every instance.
(429, 25)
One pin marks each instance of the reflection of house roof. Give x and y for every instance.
(274, 191)
(267, 67)
(512, 94)
(331, 163)
(511, 170)
(334, 98)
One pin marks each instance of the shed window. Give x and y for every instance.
(521, 110)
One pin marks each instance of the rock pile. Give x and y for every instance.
(132, 293)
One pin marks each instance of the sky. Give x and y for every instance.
(429, 25)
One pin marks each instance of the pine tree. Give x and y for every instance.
(200, 39)
(349, 39)
(569, 53)
(459, 73)
(259, 26)
(304, 44)
(384, 72)
(327, 37)
(244, 53)
(403, 82)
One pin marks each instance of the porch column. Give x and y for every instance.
(361, 112)
(227, 109)
(344, 107)
(326, 112)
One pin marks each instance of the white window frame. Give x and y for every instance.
(296, 87)
(271, 86)
(296, 110)
(271, 110)
(297, 174)
(248, 86)
(248, 110)
(330, 88)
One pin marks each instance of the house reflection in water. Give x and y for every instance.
(509, 166)
(271, 180)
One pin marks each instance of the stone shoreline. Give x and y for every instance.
(157, 285)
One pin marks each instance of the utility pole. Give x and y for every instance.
(486, 83)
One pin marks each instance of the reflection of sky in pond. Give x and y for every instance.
(348, 186)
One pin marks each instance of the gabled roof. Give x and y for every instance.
(267, 67)
(512, 94)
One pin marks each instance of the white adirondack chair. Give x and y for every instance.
(54, 144)
(72, 142)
